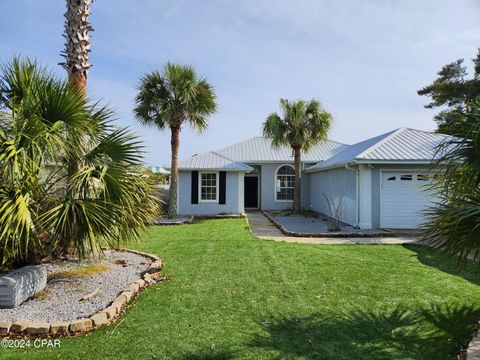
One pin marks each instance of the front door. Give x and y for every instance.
(251, 191)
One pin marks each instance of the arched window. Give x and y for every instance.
(284, 183)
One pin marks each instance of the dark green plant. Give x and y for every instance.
(453, 223)
(301, 125)
(453, 92)
(69, 180)
(169, 100)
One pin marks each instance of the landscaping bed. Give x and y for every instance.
(81, 295)
(310, 224)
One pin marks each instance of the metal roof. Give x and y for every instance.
(403, 144)
(212, 161)
(260, 149)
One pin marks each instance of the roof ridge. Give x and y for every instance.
(239, 142)
(227, 158)
(381, 142)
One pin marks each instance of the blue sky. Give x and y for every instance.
(364, 60)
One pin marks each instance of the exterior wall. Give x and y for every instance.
(233, 192)
(267, 188)
(338, 183)
(377, 186)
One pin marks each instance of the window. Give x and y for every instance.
(392, 178)
(285, 183)
(406, 177)
(208, 187)
(422, 177)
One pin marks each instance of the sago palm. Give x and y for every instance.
(43, 207)
(301, 125)
(171, 99)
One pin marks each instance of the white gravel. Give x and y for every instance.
(314, 225)
(63, 300)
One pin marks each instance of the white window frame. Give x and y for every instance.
(217, 178)
(275, 184)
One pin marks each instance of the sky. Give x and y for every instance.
(363, 59)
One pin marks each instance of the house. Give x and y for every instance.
(381, 182)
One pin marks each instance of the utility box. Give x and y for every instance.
(21, 284)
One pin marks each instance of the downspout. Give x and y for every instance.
(357, 193)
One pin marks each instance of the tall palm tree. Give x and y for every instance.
(171, 99)
(77, 42)
(301, 125)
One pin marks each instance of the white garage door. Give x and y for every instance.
(403, 198)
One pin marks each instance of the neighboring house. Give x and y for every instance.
(159, 169)
(382, 182)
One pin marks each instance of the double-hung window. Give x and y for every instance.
(209, 187)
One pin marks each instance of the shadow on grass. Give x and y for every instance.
(435, 333)
(439, 260)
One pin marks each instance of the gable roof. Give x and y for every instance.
(259, 149)
(212, 161)
(403, 144)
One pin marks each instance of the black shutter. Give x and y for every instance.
(223, 185)
(194, 187)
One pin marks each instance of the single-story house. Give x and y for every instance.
(381, 182)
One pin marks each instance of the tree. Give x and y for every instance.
(171, 99)
(453, 223)
(302, 125)
(451, 90)
(77, 42)
(44, 209)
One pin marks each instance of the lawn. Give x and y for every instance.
(232, 296)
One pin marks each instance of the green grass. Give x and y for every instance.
(231, 296)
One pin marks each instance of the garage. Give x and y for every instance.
(404, 196)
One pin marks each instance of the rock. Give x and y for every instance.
(80, 325)
(5, 327)
(128, 295)
(59, 328)
(148, 278)
(155, 266)
(99, 318)
(19, 326)
(19, 285)
(37, 328)
(111, 312)
(119, 302)
(140, 282)
(133, 288)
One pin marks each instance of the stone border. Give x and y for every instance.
(174, 223)
(106, 316)
(332, 234)
(218, 216)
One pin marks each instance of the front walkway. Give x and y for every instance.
(262, 228)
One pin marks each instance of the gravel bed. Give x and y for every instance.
(62, 300)
(314, 225)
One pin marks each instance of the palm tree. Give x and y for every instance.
(302, 125)
(43, 207)
(453, 222)
(77, 42)
(171, 99)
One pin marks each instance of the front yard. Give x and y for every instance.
(233, 296)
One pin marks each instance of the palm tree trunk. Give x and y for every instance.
(172, 195)
(297, 202)
(77, 42)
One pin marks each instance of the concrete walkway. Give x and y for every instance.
(264, 229)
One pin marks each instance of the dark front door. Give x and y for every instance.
(251, 191)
